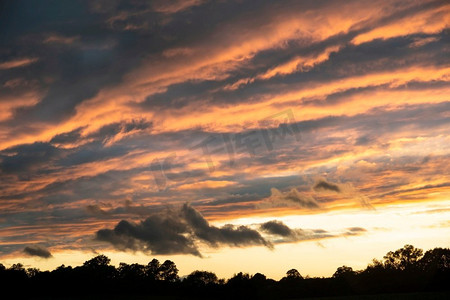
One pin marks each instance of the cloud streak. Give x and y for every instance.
(17, 63)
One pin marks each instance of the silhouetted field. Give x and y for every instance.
(407, 273)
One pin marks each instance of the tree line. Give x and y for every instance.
(405, 270)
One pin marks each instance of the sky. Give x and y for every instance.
(227, 136)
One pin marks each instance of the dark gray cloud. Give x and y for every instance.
(38, 251)
(177, 232)
(290, 235)
(181, 231)
(67, 137)
(28, 157)
(323, 185)
(91, 152)
(228, 234)
(356, 229)
(158, 234)
(115, 128)
(276, 227)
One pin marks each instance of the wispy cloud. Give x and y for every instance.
(17, 63)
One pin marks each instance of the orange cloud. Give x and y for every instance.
(428, 22)
(17, 63)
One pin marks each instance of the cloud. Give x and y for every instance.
(17, 63)
(355, 231)
(38, 251)
(158, 234)
(96, 210)
(183, 230)
(24, 158)
(70, 137)
(177, 232)
(59, 39)
(323, 185)
(174, 6)
(227, 235)
(293, 197)
(346, 189)
(289, 235)
(276, 227)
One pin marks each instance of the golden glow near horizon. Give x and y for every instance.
(415, 222)
(331, 119)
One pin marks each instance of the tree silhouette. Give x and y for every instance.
(402, 258)
(32, 272)
(17, 267)
(152, 270)
(131, 272)
(437, 259)
(405, 270)
(343, 272)
(99, 268)
(375, 267)
(293, 274)
(168, 271)
(16, 272)
(239, 279)
(97, 262)
(201, 278)
(259, 278)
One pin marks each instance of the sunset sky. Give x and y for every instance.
(227, 136)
